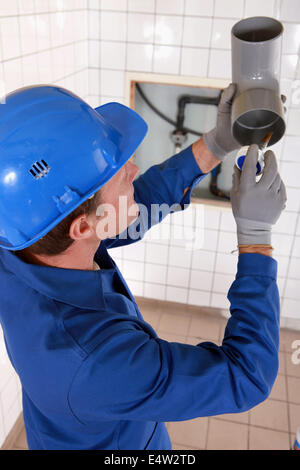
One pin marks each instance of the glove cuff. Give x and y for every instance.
(255, 238)
(212, 145)
(253, 232)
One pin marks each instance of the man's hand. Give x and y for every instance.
(257, 206)
(219, 140)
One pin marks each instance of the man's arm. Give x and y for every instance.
(172, 182)
(204, 158)
(164, 188)
(134, 375)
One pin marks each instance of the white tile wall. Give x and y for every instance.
(290, 10)
(198, 297)
(230, 8)
(222, 283)
(296, 247)
(170, 7)
(155, 253)
(194, 61)
(176, 294)
(290, 173)
(168, 30)
(220, 64)
(118, 5)
(221, 38)
(10, 37)
(166, 59)
(196, 8)
(133, 270)
(290, 309)
(42, 41)
(177, 276)
(140, 27)
(196, 31)
(154, 291)
(201, 280)
(139, 57)
(155, 273)
(202, 259)
(146, 6)
(113, 26)
(259, 8)
(112, 82)
(291, 38)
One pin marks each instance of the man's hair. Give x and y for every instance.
(58, 240)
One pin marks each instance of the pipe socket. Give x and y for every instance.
(256, 58)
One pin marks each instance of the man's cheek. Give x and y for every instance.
(106, 226)
(133, 209)
(127, 210)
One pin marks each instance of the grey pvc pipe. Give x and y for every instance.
(256, 58)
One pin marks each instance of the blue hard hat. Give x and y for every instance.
(55, 152)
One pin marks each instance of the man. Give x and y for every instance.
(94, 374)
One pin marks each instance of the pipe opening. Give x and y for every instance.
(257, 29)
(252, 127)
(257, 118)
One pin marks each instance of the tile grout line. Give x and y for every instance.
(49, 49)
(215, 261)
(286, 278)
(207, 431)
(153, 41)
(181, 39)
(126, 50)
(2, 420)
(191, 259)
(36, 41)
(50, 52)
(149, 14)
(202, 291)
(254, 426)
(210, 39)
(287, 394)
(88, 44)
(99, 62)
(21, 56)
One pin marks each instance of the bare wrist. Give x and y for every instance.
(204, 158)
(261, 249)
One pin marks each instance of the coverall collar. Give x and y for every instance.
(80, 288)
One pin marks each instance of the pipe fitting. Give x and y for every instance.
(256, 58)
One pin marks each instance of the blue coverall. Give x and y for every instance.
(95, 375)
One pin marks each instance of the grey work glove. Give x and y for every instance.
(257, 206)
(220, 140)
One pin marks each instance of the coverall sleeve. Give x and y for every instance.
(132, 375)
(158, 191)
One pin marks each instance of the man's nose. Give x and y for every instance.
(132, 170)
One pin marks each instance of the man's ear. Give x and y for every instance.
(80, 228)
